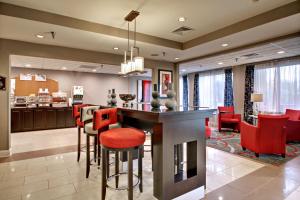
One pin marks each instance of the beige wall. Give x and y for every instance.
(95, 86)
(12, 47)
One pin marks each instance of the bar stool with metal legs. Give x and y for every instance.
(79, 124)
(86, 116)
(119, 140)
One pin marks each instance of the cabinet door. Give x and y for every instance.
(60, 118)
(16, 120)
(70, 122)
(39, 119)
(51, 118)
(27, 120)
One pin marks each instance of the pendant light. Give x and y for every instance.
(136, 64)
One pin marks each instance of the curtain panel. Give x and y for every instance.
(279, 82)
(185, 96)
(249, 88)
(228, 90)
(196, 90)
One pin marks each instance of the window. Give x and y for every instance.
(279, 82)
(211, 89)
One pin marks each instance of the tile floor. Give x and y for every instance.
(60, 177)
(47, 139)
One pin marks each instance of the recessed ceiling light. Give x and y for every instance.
(220, 63)
(63, 68)
(183, 70)
(181, 19)
(224, 45)
(116, 48)
(28, 65)
(94, 70)
(176, 58)
(39, 36)
(281, 52)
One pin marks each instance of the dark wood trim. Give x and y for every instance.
(38, 153)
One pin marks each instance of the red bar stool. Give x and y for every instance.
(119, 140)
(79, 124)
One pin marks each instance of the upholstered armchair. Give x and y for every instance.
(228, 119)
(269, 137)
(207, 128)
(293, 125)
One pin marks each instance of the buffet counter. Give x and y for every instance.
(41, 118)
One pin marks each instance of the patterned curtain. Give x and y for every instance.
(228, 92)
(249, 88)
(185, 91)
(196, 90)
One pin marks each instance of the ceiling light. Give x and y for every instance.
(39, 36)
(281, 52)
(28, 65)
(224, 45)
(181, 19)
(176, 58)
(183, 70)
(63, 68)
(220, 63)
(94, 70)
(116, 48)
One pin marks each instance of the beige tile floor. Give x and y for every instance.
(60, 177)
(47, 139)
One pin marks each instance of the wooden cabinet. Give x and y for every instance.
(60, 118)
(51, 118)
(29, 119)
(39, 119)
(70, 122)
(16, 120)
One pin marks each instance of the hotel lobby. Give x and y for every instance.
(183, 100)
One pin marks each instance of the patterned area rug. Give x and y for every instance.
(230, 142)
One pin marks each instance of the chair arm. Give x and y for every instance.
(237, 116)
(293, 125)
(248, 130)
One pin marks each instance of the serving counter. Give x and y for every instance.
(40, 118)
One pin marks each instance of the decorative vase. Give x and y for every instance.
(113, 98)
(109, 98)
(170, 103)
(155, 103)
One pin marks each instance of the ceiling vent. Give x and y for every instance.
(87, 67)
(251, 55)
(154, 54)
(182, 30)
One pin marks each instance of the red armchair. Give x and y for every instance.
(207, 128)
(228, 119)
(268, 137)
(293, 125)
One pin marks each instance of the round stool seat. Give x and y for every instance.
(122, 138)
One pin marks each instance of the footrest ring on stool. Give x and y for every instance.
(119, 174)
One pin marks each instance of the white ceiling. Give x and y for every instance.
(291, 47)
(158, 18)
(66, 65)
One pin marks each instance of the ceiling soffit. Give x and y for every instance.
(46, 17)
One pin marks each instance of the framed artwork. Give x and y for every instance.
(25, 77)
(165, 77)
(40, 77)
(2, 83)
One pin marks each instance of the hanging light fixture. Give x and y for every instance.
(136, 64)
